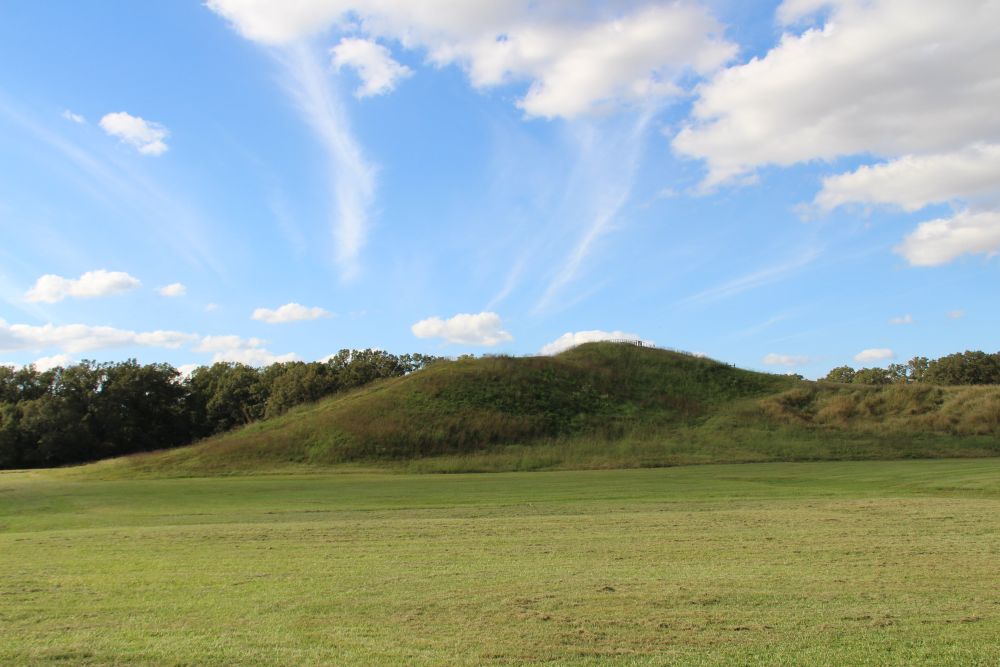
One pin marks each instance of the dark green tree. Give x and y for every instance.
(844, 374)
(872, 376)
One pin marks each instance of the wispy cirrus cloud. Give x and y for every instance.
(169, 216)
(607, 156)
(573, 61)
(756, 279)
(352, 177)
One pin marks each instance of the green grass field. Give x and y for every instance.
(778, 563)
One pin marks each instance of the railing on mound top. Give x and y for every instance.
(630, 341)
(652, 346)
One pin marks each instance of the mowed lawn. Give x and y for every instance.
(795, 563)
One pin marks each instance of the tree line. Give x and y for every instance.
(969, 367)
(91, 410)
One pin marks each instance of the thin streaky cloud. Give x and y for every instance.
(758, 328)
(766, 276)
(609, 198)
(174, 223)
(352, 177)
(512, 280)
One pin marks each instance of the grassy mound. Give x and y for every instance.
(599, 405)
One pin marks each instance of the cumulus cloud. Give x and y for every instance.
(573, 61)
(48, 363)
(575, 69)
(145, 136)
(466, 329)
(244, 351)
(211, 307)
(374, 64)
(915, 181)
(787, 360)
(911, 88)
(876, 78)
(73, 117)
(186, 370)
(572, 339)
(942, 240)
(79, 337)
(52, 288)
(874, 354)
(290, 312)
(173, 290)
(903, 319)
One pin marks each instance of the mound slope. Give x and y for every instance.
(597, 405)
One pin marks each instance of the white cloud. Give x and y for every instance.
(874, 354)
(245, 351)
(754, 280)
(48, 363)
(73, 117)
(788, 360)
(606, 160)
(378, 71)
(51, 288)
(79, 337)
(571, 60)
(172, 290)
(211, 307)
(915, 181)
(466, 329)
(572, 339)
(185, 370)
(575, 69)
(955, 314)
(879, 77)
(290, 312)
(278, 23)
(903, 319)
(911, 86)
(351, 175)
(145, 136)
(942, 240)
(574, 59)
(170, 218)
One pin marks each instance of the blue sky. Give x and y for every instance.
(788, 186)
